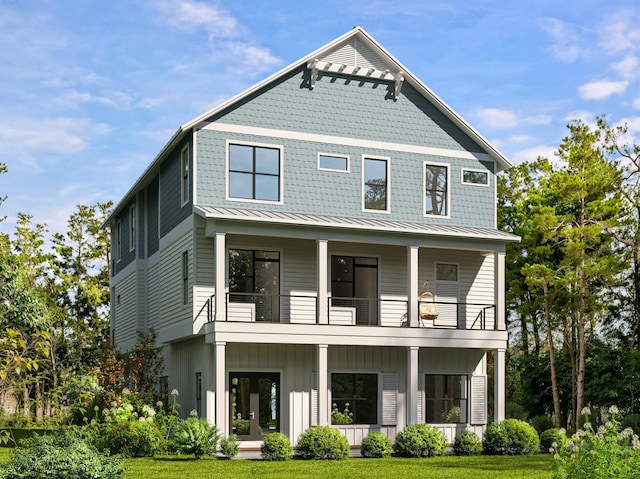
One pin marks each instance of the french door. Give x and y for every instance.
(255, 404)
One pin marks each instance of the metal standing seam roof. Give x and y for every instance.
(370, 224)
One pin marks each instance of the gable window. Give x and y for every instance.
(331, 162)
(475, 177)
(132, 227)
(446, 398)
(118, 240)
(354, 398)
(254, 278)
(436, 188)
(376, 184)
(255, 172)
(184, 176)
(185, 277)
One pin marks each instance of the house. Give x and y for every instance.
(288, 246)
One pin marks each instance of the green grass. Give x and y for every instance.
(447, 467)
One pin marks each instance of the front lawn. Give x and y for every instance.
(447, 467)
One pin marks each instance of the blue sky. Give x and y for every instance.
(90, 91)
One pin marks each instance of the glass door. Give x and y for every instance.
(255, 404)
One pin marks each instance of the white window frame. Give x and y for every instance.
(280, 172)
(475, 170)
(118, 240)
(439, 372)
(388, 198)
(335, 155)
(132, 227)
(184, 176)
(424, 189)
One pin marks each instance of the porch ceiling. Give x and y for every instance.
(351, 223)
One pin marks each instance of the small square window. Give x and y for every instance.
(333, 162)
(475, 177)
(446, 272)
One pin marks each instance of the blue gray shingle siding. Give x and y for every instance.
(126, 256)
(170, 193)
(153, 242)
(353, 108)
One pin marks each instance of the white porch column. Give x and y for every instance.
(323, 386)
(221, 385)
(412, 384)
(323, 282)
(500, 286)
(499, 387)
(412, 286)
(210, 385)
(220, 252)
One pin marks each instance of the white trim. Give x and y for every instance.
(475, 170)
(424, 189)
(194, 177)
(132, 227)
(344, 141)
(229, 142)
(184, 195)
(335, 155)
(386, 159)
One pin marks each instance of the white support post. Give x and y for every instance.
(412, 286)
(220, 252)
(221, 385)
(499, 388)
(500, 288)
(210, 385)
(323, 386)
(412, 384)
(323, 283)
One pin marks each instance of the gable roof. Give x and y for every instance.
(354, 53)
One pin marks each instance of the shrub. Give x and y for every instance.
(511, 436)
(467, 443)
(376, 445)
(542, 423)
(322, 442)
(230, 446)
(632, 421)
(275, 447)
(135, 438)
(601, 453)
(60, 456)
(194, 436)
(550, 437)
(420, 440)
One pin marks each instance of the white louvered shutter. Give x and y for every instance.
(314, 399)
(478, 400)
(389, 399)
(421, 416)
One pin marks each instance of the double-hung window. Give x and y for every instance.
(118, 240)
(255, 172)
(436, 190)
(446, 398)
(185, 277)
(375, 184)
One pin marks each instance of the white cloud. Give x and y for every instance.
(531, 154)
(636, 103)
(58, 135)
(583, 115)
(520, 138)
(186, 15)
(497, 118)
(599, 90)
(621, 32)
(566, 44)
(628, 68)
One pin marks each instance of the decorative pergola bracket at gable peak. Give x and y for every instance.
(316, 66)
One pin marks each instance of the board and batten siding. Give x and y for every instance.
(475, 276)
(153, 296)
(295, 363)
(183, 360)
(171, 306)
(204, 275)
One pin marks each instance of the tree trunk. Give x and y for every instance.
(557, 413)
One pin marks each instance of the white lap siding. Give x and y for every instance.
(172, 309)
